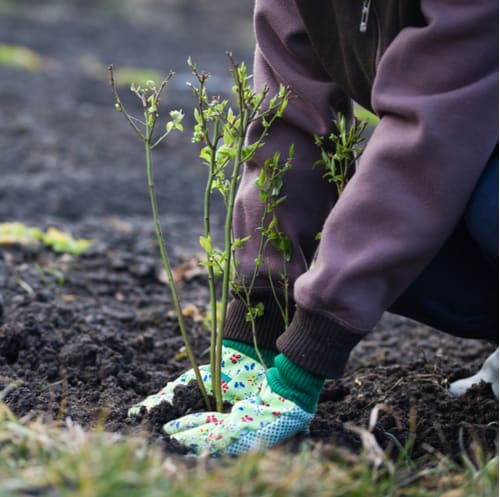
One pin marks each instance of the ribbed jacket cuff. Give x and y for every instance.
(318, 343)
(268, 327)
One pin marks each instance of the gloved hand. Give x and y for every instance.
(259, 422)
(240, 377)
(488, 373)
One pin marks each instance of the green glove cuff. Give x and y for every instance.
(295, 383)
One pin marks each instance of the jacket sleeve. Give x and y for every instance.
(436, 92)
(284, 56)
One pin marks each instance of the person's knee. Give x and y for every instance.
(481, 216)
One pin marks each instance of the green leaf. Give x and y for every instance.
(153, 108)
(240, 242)
(64, 242)
(206, 243)
(18, 233)
(177, 116)
(279, 201)
(197, 116)
(206, 154)
(254, 312)
(277, 184)
(57, 240)
(19, 56)
(261, 179)
(364, 115)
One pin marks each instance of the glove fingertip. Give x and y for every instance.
(133, 411)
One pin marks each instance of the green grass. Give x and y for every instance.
(125, 76)
(43, 459)
(16, 233)
(20, 57)
(24, 58)
(365, 115)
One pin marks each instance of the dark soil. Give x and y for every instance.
(89, 336)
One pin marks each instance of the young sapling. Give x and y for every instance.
(222, 132)
(340, 151)
(149, 97)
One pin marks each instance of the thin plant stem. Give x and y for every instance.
(283, 308)
(212, 171)
(168, 268)
(210, 269)
(121, 107)
(248, 292)
(228, 253)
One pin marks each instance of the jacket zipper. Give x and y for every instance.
(378, 51)
(365, 13)
(363, 26)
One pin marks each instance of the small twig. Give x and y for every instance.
(120, 106)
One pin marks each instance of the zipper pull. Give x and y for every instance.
(365, 12)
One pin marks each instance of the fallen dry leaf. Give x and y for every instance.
(183, 272)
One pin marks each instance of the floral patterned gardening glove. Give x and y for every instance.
(258, 422)
(240, 376)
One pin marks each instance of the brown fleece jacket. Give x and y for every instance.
(431, 75)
